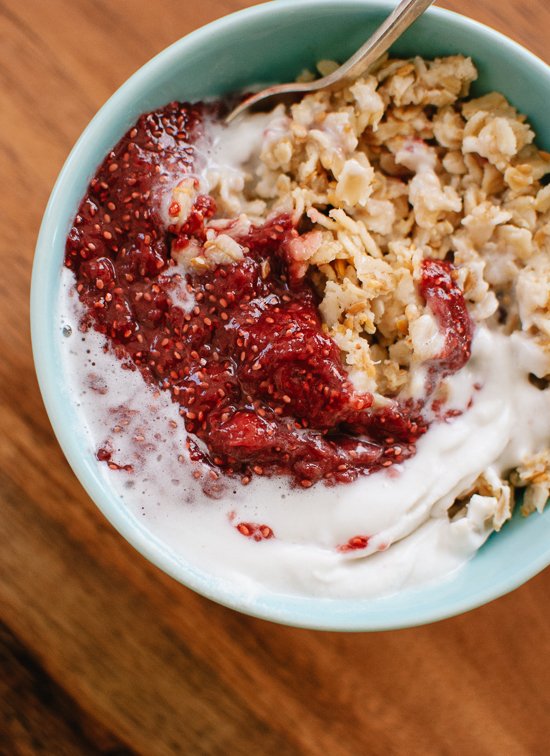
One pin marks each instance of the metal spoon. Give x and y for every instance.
(376, 45)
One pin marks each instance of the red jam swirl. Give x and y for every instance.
(261, 389)
(446, 301)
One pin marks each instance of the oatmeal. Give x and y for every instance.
(346, 300)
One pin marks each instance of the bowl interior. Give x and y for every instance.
(274, 42)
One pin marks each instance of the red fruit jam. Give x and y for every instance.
(446, 302)
(262, 390)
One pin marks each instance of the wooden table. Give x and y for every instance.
(101, 652)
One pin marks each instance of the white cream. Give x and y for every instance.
(230, 157)
(404, 511)
(234, 148)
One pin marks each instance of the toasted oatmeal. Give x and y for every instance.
(332, 321)
(398, 167)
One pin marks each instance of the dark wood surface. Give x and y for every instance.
(102, 653)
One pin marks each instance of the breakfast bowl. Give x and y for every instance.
(270, 43)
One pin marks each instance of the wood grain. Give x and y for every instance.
(102, 653)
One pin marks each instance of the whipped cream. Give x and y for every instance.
(403, 512)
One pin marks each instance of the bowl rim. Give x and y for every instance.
(294, 611)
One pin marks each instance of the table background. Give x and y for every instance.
(102, 653)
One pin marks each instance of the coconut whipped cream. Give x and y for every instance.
(403, 512)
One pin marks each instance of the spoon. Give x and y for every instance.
(376, 45)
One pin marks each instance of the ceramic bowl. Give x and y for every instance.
(266, 43)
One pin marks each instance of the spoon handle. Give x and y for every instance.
(376, 45)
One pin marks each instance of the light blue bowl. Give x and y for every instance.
(273, 42)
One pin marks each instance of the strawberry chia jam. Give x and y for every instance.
(261, 388)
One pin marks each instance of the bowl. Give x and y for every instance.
(282, 38)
